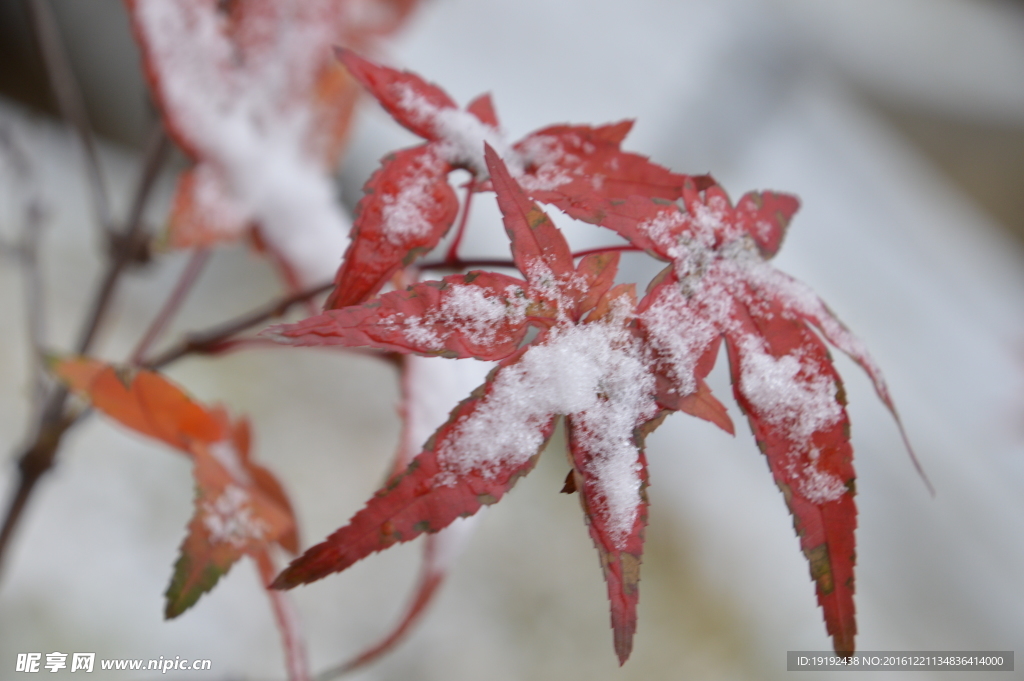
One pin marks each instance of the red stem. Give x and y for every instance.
(453, 250)
(287, 620)
(186, 281)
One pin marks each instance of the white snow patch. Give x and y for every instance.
(801, 300)
(421, 332)
(477, 315)
(403, 215)
(818, 486)
(595, 373)
(548, 155)
(787, 392)
(680, 334)
(462, 135)
(229, 518)
(468, 310)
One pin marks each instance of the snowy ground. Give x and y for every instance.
(760, 93)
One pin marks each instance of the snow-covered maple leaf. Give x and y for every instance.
(240, 507)
(720, 286)
(587, 363)
(251, 91)
(408, 204)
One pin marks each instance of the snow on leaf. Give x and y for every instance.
(620, 559)
(537, 245)
(408, 206)
(480, 314)
(426, 110)
(719, 286)
(765, 216)
(251, 91)
(784, 380)
(594, 371)
(424, 498)
(240, 507)
(412, 101)
(387, 232)
(235, 515)
(573, 166)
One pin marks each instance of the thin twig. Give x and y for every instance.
(26, 253)
(453, 250)
(185, 283)
(70, 102)
(622, 248)
(287, 621)
(54, 419)
(463, 264)
(129, 240)
(35, 311)
(203, 341)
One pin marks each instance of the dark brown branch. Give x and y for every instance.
(70, 101)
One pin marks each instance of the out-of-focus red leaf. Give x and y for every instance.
(251, 91)
(202, 213)
(234, 516)
(483, 108)
(240, 507)
(407, 207)
(143, 401)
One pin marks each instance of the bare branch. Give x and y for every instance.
(287, 620)
(26, 252)
(55, 418)
(70, 102)
(130, 240)
(185, 283)
(203, 341)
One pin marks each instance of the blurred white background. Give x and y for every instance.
(899, 123)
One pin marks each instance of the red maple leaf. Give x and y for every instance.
(587, 363)
(719, 285)
(408, 206)
(240, 507)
